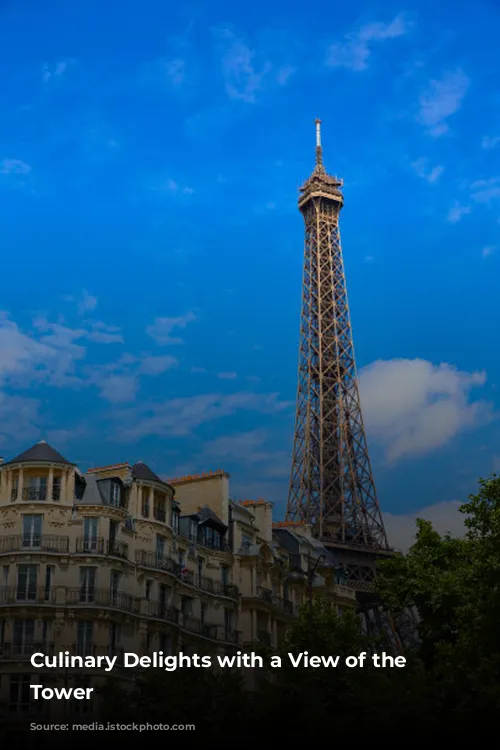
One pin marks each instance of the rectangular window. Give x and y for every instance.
(87, 584)
(90, 531)
(246, 541)
(224, 574)
(175, 520)
(145, 503)
(114, 637)
(49, 576)
(114, 585)
(163, 600)
(182, 559)
(203, 612)
(32, 530)
(115, 494)
(149, 588)
(200, 567)
(84, 634)
(193, 531)
(36, 489)
(56, 489)
(19, 698)
(160, 546)
(24, 636)
(187, 606)
(228, 623)
(5, 575)
(26, 582)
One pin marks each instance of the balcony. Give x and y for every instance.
(194, 625)
(217, 587)
(30, 543)
(25, 595)
(266, 595)
(25, 649)
(285, 605)
(154, 560)
(90, 597)
(101, 546)
(160, 611)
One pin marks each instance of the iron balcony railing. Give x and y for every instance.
(217, 587)
(90, 596)
(25, 648)
(266, 595)
(101, 546)
(160, 610)
(155, 560)
(25, 594)
(33, 542)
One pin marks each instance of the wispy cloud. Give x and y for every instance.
(227, 375)
(248, 71)
(173, 188)
(14, 167)
(161, 329)
(354, 51)
(442, 98)
(87, 303)
(55, 71)
(484, 191)
(489, 142)
(431, 174)
(456, 212)
(181, 416)
(487, 251)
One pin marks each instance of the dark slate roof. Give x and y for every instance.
(206, 514)
(41, 451)
(141, 471)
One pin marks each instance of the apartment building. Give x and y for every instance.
(118, 559)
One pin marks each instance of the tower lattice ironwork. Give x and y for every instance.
(331, 484)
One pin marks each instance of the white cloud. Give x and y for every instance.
(180, 416)
(248, 71)
(354, 51)
(51, 72)
(442, 99)
(14, 166)
(487, 251)
(20, 417)
(431, 174)
(412, 406)
(161, 328)
(445, 517)
(456, 212)
(227, 375)
(489, 142)
(484, 191)
(87, 303)
(118, 389)
(157, 365)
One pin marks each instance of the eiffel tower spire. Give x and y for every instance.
(331, 483)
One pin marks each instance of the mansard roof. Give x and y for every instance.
(140, 470)
(41, 452)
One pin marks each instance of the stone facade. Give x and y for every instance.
(120, 560)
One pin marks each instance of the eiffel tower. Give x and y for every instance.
(331, 483)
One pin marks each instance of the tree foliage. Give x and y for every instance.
(451, 681)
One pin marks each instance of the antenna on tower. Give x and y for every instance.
(319, 149)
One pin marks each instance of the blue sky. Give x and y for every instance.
(152, 248)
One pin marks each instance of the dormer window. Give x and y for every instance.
(115, 494)
(193, 530)
(175, 520)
